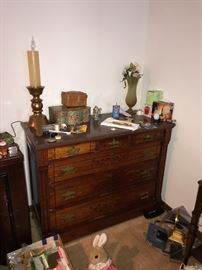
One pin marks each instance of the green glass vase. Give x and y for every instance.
(131, 96)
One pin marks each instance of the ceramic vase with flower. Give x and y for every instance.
(131, 76)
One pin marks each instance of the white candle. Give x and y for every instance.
(33, 64)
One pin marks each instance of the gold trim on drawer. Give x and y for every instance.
(74, 150)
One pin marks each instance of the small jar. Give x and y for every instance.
(3, 149)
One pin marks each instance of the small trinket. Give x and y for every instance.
(96, 113)
(58, 137)
(51, 140)
(115, 111)
(3, 149)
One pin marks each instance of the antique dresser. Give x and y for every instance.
(86, 182)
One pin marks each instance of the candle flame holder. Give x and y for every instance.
(37, 119)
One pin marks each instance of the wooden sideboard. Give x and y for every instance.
(86, 182)
(15, 226)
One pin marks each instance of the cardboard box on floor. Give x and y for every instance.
(48, 253)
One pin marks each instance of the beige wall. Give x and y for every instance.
(84, 45)
(173, 63)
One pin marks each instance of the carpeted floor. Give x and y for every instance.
(126, 246)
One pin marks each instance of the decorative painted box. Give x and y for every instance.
(69, 116)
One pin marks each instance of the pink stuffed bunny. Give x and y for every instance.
(99, 259)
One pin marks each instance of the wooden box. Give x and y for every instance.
(74, 99)
(69, 116)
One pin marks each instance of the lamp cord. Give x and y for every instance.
(13, 127)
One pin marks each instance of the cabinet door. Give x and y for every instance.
(6, 222)
(19, 204)
(14, 213)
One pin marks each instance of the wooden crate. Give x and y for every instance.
(74, 99)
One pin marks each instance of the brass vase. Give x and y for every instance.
(131, 96)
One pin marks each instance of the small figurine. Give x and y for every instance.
(96, 112)
(99, 259)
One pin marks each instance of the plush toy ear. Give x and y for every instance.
(96, 240)
(102, 240)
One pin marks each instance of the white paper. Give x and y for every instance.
(111, 122)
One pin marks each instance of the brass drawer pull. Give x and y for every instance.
(144, 196)
(109, 175)
(104, 194)
(114, 143)
(68, 218)
(69, 195)
(145, 173)
(73, 151)
(149, 153)
(67, 171)
(148, 138)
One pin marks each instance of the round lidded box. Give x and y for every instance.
(3, 149)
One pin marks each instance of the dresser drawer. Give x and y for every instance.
(114, 159)
(112, 143)
(151, 136)
(143, 171)
(82, 188)
(71, 150)
(102, 207)
(63, 169)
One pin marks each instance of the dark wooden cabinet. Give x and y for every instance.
(86, 182)
(15, 227)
